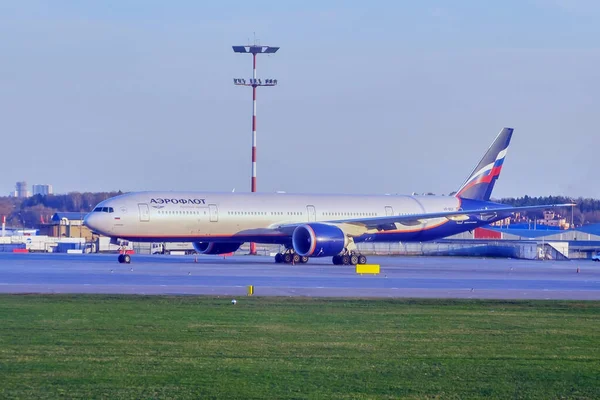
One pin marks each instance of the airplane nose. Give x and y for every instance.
(92, 221)
(86, 220)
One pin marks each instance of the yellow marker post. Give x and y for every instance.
(250, 290)
(367, 269)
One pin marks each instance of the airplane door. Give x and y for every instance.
(144, 212)
(201, 223)
(389, 211)
(214, 212)
(312, 214)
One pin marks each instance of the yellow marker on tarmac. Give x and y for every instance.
(367, 269)
(250, 290)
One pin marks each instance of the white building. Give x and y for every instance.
(21, 190)
(43, 190)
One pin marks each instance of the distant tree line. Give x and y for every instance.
(38, 209)
(586, 211)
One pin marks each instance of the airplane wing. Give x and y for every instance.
(388, 222)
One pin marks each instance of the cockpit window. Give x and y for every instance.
(104, 209)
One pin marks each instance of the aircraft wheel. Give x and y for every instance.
(346, 259)
(278, 258)
(287, 258)
(121, 259)
(353, 259)
(296, 258)
(362, 259)
(304, 260)
(127, 259)
(336, 260)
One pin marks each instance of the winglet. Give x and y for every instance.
(480, 183)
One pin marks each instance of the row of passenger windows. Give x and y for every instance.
(180, 212)
(290, 213)
(350, 214)
(263, 213)
(325, 214)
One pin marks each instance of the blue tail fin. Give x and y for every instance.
(480, 183)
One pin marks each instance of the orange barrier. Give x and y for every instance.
(20, 251)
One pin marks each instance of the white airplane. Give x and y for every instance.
(306, 225)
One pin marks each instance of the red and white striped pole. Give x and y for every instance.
(253, 179)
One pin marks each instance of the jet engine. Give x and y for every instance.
(318, 240)
(215, 247)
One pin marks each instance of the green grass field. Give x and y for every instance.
(118, 347)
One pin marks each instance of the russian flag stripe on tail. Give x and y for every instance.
(480, 183)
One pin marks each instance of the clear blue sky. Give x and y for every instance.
(374, 97)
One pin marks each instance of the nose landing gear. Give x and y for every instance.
(124, 259)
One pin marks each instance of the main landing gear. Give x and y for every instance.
(350, 258)
(290, 257)
(350, 255)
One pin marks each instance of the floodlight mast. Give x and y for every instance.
(254, 83)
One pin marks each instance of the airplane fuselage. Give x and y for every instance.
(245, 217)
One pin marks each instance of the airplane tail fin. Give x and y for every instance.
(480, 183)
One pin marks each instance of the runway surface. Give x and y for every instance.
(435, 277)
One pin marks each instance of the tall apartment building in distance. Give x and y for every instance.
(21, 190)
(44, 190)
